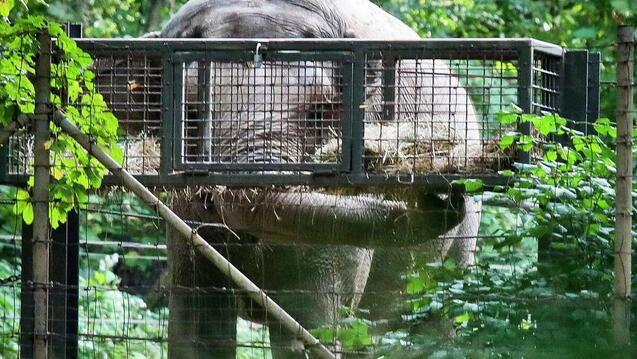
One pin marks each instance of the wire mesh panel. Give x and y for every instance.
(19, 154)
(10, 283)
(546, 83)
(434, 111)
(274, 113)
(121, 300)
(132, 86)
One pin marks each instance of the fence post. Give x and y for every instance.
(40, 198)
(623, 195)
(64, 269)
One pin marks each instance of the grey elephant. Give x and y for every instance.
(313, 251)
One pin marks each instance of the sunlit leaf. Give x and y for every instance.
(27, 214)
(5, 7)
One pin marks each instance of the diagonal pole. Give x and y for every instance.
(188, 233)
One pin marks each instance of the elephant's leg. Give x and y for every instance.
(284, 345)
(311, 283)
(383, 293)
(203, 317)
(465, 235)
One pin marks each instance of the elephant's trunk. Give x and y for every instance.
(321, 218)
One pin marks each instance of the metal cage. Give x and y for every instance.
(326, 112)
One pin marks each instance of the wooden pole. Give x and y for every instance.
(623, 195)
(40, 198)
(208, 251)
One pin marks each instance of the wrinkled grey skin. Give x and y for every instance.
(311, 281)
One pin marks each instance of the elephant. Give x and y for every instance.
(313, 251)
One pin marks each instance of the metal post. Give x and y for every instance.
(41, 198)
(63, 298)
(623, 194)
(26, 297)
(574, 97)
(594, 63)
(525, 94)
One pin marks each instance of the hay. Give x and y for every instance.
(410, 148)
(390, 149)
(142, 155)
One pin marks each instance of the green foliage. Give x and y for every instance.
(9, 308)
(572, 24)
(471, 185)
(117, 314)
(570, 191)
(73, 171)
(352, 332)
(513, 304)
(113, 18)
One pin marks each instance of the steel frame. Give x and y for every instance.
(579, 73)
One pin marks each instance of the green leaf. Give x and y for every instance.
(550, 156)
(463, 318)
(27, 214)
(508, 140)
(450, 265)
(415, 285)
(507, 118)
(23, 195)
(5, 7)
(602, 126)
(117, 153)
(55, 218)
(100, 278)
(526, 143)
(471, 185)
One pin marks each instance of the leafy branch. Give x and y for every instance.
(73, 171)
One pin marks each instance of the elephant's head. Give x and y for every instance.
(281, 112)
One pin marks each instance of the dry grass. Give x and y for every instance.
(408, 148)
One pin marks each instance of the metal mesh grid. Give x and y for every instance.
(132, 86)
(546, 83)
(247, 114)
(430, 114)
(425, 112)
(20, 154)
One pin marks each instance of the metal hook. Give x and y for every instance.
(258, 59)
